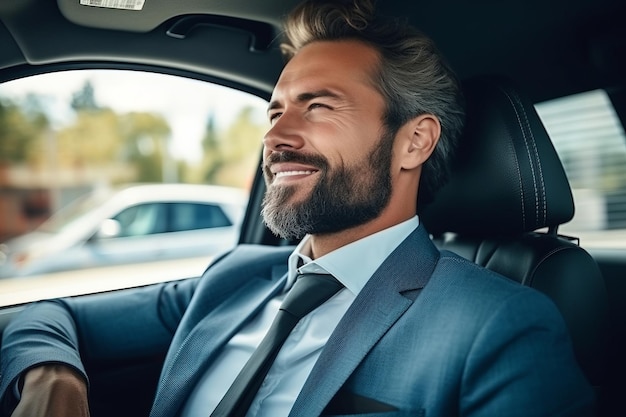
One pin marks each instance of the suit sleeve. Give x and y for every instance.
(122, 325)
(522, 364)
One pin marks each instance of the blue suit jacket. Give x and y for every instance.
(431, 334)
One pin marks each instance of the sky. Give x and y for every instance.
(185, 103)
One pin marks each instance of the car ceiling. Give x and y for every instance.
(551, 48)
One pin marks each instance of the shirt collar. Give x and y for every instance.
(352, 264)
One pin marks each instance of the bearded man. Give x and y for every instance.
(364, 115)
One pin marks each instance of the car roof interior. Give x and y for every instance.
(551, 48)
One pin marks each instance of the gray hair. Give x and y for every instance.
(412, 75)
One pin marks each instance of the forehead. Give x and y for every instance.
(343, 65)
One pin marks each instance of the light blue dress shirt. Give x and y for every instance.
(352, 265)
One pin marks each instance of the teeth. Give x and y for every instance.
(290, 173)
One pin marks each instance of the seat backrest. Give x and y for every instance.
(507, 185)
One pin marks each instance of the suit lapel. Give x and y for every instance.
(384, 299)
(204, 341)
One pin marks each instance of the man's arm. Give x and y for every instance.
(125, 324)
(61, 334)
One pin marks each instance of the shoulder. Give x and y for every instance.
(509, 336)
(246, 256)
(484, 312)
(243, 263)
(487, 294)
(454, 270)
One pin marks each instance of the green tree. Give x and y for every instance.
(20, 128)
(93, 139)
(105, 139)
(230, 154)
(213, 158)
(144, 137)
(85, 98)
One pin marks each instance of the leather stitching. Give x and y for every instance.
(541, 189)
(529, 154)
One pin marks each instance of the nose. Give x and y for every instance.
(285, 133)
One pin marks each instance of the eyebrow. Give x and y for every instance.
(304, 97)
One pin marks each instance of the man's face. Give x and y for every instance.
(327, 155)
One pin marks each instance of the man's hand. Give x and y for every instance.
(53, 390)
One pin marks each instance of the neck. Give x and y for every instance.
(321, 244)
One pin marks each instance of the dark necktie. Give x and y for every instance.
(308, 292)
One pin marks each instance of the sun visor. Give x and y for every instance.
(146, 15)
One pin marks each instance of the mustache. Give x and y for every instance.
(317, 161)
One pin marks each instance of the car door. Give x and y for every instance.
(198, 229)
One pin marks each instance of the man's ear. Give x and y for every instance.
(420, 136)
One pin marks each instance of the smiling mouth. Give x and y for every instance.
(282, 174)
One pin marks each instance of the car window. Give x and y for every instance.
(590, 140)
(142, 219)
(192, 216)
(92, 158)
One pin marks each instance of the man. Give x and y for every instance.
(363, 115)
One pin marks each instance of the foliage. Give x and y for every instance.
(100, 136)
(85, 99)
(20, 128)
(100, 139)
(228, 155)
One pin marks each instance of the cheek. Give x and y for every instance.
(344, 141)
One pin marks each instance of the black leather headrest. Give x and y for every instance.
(506, 177)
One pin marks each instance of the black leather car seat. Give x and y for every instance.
(507, 195)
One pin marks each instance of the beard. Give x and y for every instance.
(343, 197)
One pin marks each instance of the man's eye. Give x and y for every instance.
(274, 116)
(314, 106)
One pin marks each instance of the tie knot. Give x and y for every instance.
(308, 292)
